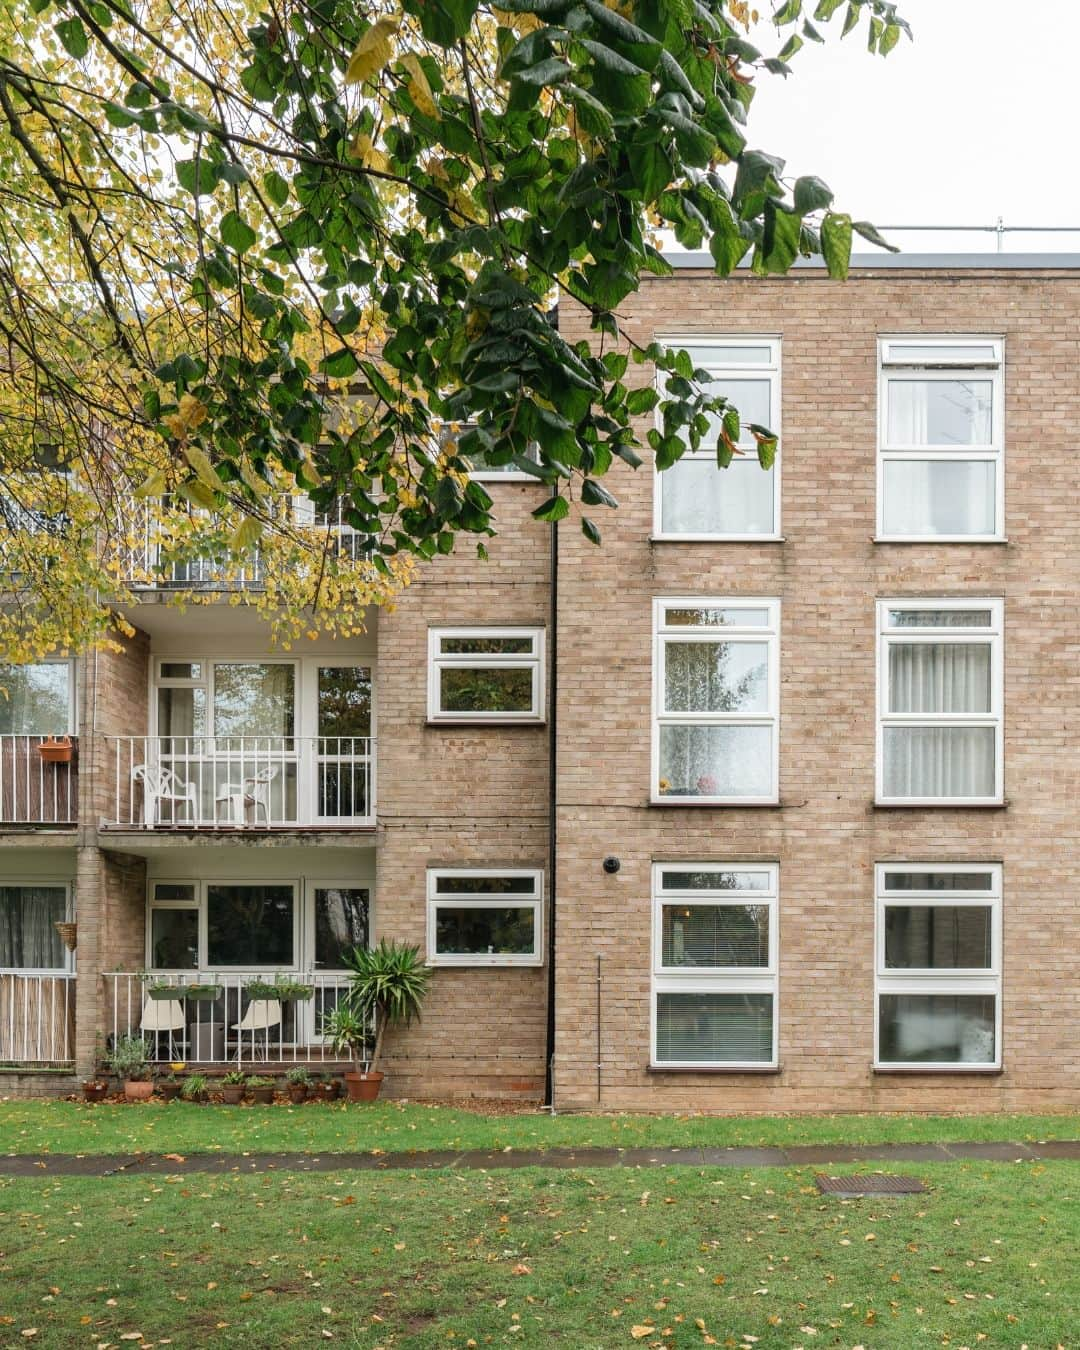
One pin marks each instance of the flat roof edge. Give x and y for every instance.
(945, 262)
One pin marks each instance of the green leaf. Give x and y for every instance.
(339, 365)
(642, 400)
(73, 35)
(198, 176)
(236, 233)
(780, 239)
(811, 194)
(592, 494)
(277, 189)
(869, 233)
(826, 9)
(589, 530)
(555, 508)
(652, 169)
(836, 244)
(889, 38)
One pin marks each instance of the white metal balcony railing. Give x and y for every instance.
(37, 1018)
(142, 563)
(219, 1021)
(240, 782)
(34, 789)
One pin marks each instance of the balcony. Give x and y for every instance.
(37, 1019)
(240, 783)
(36, 788)
(209, 1019)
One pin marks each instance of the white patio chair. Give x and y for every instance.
(165, 1017)
(247, 797)
(162, 787)
(261, 1015)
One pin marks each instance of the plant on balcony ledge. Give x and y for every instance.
(232, 1087)
(194, 1089)
(297, 1084)
(201, 993)
(261, 1089)
(281, 988)
(128, 1060)
(387, 987)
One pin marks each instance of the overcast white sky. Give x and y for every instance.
(975, 119)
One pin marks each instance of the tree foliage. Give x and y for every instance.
(308, 248)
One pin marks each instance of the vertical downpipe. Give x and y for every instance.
(599, 1039)
(553, 726)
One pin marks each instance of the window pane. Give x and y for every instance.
(947, 1028)
(945, 677)
(940, 618)
(181, 714)
(174, 890)
(714, 935)
(492, 690)
(253, 699)
(940, 412)
(938, 937)
(481, 885)
(939, 761)
(174, 939)
(249, 925)
(35, 700)
(938, 881)
(709, 356)
(702, 761)
(724, 617)
(752, 399)
(975, 353)
(344, 702)
(714, 1028)
(28, 940)
(484, 646)
(713, 881)
(716, 677)
(341, 923)
(489, 931)
(939, 496)
(181, 670)
(697, 497)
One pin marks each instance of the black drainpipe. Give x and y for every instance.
(553, 726)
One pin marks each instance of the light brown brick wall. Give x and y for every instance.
(827, 834)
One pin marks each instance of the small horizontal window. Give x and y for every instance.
(484, 918)
(486, 675)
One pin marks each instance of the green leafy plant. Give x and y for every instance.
(298, 1076)
(387, 987)
(259, 1081)
(128, 1059)
(281, 988)
(235, 1078)
(347, 1033)
(194, 1088)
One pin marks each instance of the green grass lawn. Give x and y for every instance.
(654, 1257)
(71, 1127)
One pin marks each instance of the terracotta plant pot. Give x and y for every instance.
(69, 934)
(262, 1096)
(232, 1094)
(363, 1087)
(169, 1091)
(95, 1090)
(326, 1092)
(297, 1093)
(56, 749)
(138, 1092)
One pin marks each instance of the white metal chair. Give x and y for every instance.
(248, 796)
(165, 1017)
(162, 787)
(261, 1015)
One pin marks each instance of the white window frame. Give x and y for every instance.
(56, 883)
(73, 695)
(532, 661)
(994, 636)
(663, 635)
(511, 900)
(201, 905)
(720, 369)
(891, 366)
(705, 980)
(945, 982)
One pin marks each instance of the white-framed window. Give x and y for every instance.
(941, 457)
(695, 498)
(38, 699)
(716, 700)
(486, 674)
(29, 912)
(940, 700)
(485, 916)
(223, 925)
(714, 977)
(469, 441)
(938, 966)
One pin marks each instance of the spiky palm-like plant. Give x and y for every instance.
(387, 984)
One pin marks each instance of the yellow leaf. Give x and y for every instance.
(639, 1332)
(247, 472)
(246, 535)
(372, 52)
(204, 470)
(370, 156)
(153, 487)
(419, 89)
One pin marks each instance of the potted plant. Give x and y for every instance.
(261, 1089)
(169, 1087)
(232, 1087)
(201, 993)
(129, 1062)
(194, 1089)
(326, 1088)
(283, 988)
(387, 986)
(297, 1083)
(56, 749)
(95, 1089)
(157, 987)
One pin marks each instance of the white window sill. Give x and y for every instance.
(725, 803)
(950, 1069)
(933, 539)
(938, 803)
(508, 721)
(506, 478)
(717, 539)
(713, 1068)
(484, 962)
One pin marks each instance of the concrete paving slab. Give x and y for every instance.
(991, 1151)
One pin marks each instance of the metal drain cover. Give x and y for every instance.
(868, 1183)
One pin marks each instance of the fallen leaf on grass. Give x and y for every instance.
(521, 1269)
(639, 1332)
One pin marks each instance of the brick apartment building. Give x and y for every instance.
(780, 809)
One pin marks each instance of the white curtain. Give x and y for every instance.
(939, 677)
(939, 761)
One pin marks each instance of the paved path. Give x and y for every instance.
(107, 1165)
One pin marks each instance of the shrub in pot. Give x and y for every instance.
(326, 1089)
(95, 1089)
(232, 1087)
(297, 1083)
(194, 1089)
(261, 1089)
(169, 1087)
(128, 1061)
(387, 986)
